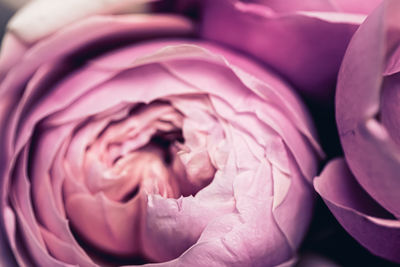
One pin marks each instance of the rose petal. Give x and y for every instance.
(106, 225)
(7, 248)
(306, 36)
(390, 109)
(241, 239)
(357, 212)
(65, 252)
(27, 222)
(180, 222)
(11, 51)
(369, 149)
(295, 205)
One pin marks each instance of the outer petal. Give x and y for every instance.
(357, 212)
(12, 50)
(305, 47)
(297, 205)
(371, 153)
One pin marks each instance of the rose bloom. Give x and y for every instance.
(126, 139)
(363, 190)
(303, 40)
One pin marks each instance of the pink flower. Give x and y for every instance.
(302, 40)
(362, 191)
(123, 138)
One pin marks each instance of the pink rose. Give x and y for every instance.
(362, 190)
(302, 40)
(123, 139)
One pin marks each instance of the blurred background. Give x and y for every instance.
(5, 13)
(326, 244)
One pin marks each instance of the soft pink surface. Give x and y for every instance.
(236, 193)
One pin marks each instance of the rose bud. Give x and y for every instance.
(302, 40)
(362, 191)
(120, 146)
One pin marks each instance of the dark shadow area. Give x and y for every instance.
(106, 259)
(325, 123)
(327, 238)
(5, 15)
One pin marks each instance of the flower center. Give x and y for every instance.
(147, 150)
(141, 153)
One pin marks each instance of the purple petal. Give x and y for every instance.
(363, 218)
(306, 48)
(372, 155)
